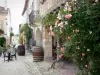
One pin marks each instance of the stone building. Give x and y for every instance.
(35, 10)
(46, 7)
(5, 21)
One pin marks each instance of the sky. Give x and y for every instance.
(16, 8)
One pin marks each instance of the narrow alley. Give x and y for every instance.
(24, 65)
(50, 37)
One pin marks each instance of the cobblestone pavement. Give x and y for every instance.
(24, 65)
(15, 67)
(42, 68)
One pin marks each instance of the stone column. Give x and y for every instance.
(47, 44)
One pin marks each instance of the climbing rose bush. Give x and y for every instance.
(80, 35)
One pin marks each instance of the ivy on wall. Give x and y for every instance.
(28, 33)
(49, 19)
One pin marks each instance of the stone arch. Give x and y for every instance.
(38, 37)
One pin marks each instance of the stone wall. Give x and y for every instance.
(49, 5)
(47, 44)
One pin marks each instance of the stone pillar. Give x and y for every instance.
(47, 44)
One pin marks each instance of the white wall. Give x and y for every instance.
(8, 25)
(36, 5)
(25, 20)
(15, 39)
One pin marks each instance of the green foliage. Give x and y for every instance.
(28, 32)
(1, 31)
(86, 19)
(20, 39)
(23, 28)
(2, 41)
(11, 34)
(49, 19)
(1, 48)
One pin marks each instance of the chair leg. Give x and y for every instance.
(53, 65)
(8, 57)
(15, 57)
(4, 58)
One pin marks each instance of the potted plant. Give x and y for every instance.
(21, 47)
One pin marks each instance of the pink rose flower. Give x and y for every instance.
(83, 54)
(52, 33)
(76, 30)
(57, 21)
(60, 56)
(62, 49)
(68, 37)
(68, 16)
(61, 25)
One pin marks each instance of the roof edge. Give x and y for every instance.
(25, 6)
